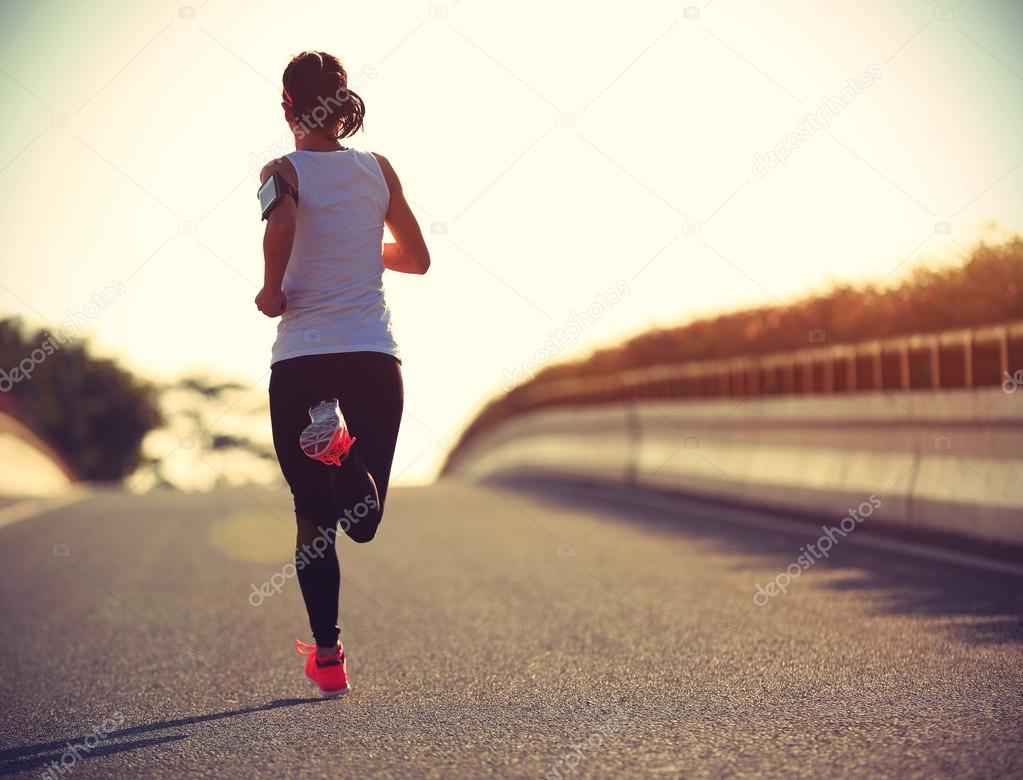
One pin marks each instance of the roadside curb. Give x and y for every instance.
(32, 507)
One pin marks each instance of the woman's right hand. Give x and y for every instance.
(273, 303)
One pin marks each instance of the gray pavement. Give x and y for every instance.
(497, 631)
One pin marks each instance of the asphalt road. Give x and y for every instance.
(497, 631)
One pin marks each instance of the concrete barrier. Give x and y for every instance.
(30, 467)
(949, 461)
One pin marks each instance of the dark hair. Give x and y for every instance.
(316, 88)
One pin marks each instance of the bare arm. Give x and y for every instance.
(409, 254)
(277, 241)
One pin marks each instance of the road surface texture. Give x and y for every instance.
(507, 631)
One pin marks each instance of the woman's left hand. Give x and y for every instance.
(273, 303)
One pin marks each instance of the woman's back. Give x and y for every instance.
(336, 393)
(333, 280)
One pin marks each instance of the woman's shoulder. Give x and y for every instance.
(282, 166)
(387, 169)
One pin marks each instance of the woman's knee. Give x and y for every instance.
(363, 535)
(361, 529)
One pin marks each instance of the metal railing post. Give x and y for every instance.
(878, 367)
(968, 359)
(1003, 351)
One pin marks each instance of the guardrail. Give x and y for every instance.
(967, 358)
(956, 359)
(944, 461)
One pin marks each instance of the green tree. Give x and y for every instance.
(92, 411)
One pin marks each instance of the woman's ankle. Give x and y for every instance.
(326, 652)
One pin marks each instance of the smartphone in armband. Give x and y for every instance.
(273, 191)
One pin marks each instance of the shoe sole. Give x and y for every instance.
(330, 694)
(324, 442)
(317, 439)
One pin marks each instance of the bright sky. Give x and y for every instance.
(552, 150)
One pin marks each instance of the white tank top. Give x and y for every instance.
(334, 278)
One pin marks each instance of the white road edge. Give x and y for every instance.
(32, 507)
(862, 538)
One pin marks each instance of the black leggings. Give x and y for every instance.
(369, 387)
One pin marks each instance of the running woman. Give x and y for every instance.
(324, 262)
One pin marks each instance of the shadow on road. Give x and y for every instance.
(982, 607)
(19, 759)
(38, 762)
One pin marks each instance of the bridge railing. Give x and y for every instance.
(928, 423)
(963, 358)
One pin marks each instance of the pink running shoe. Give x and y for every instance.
(330, 675)
(326, 438)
